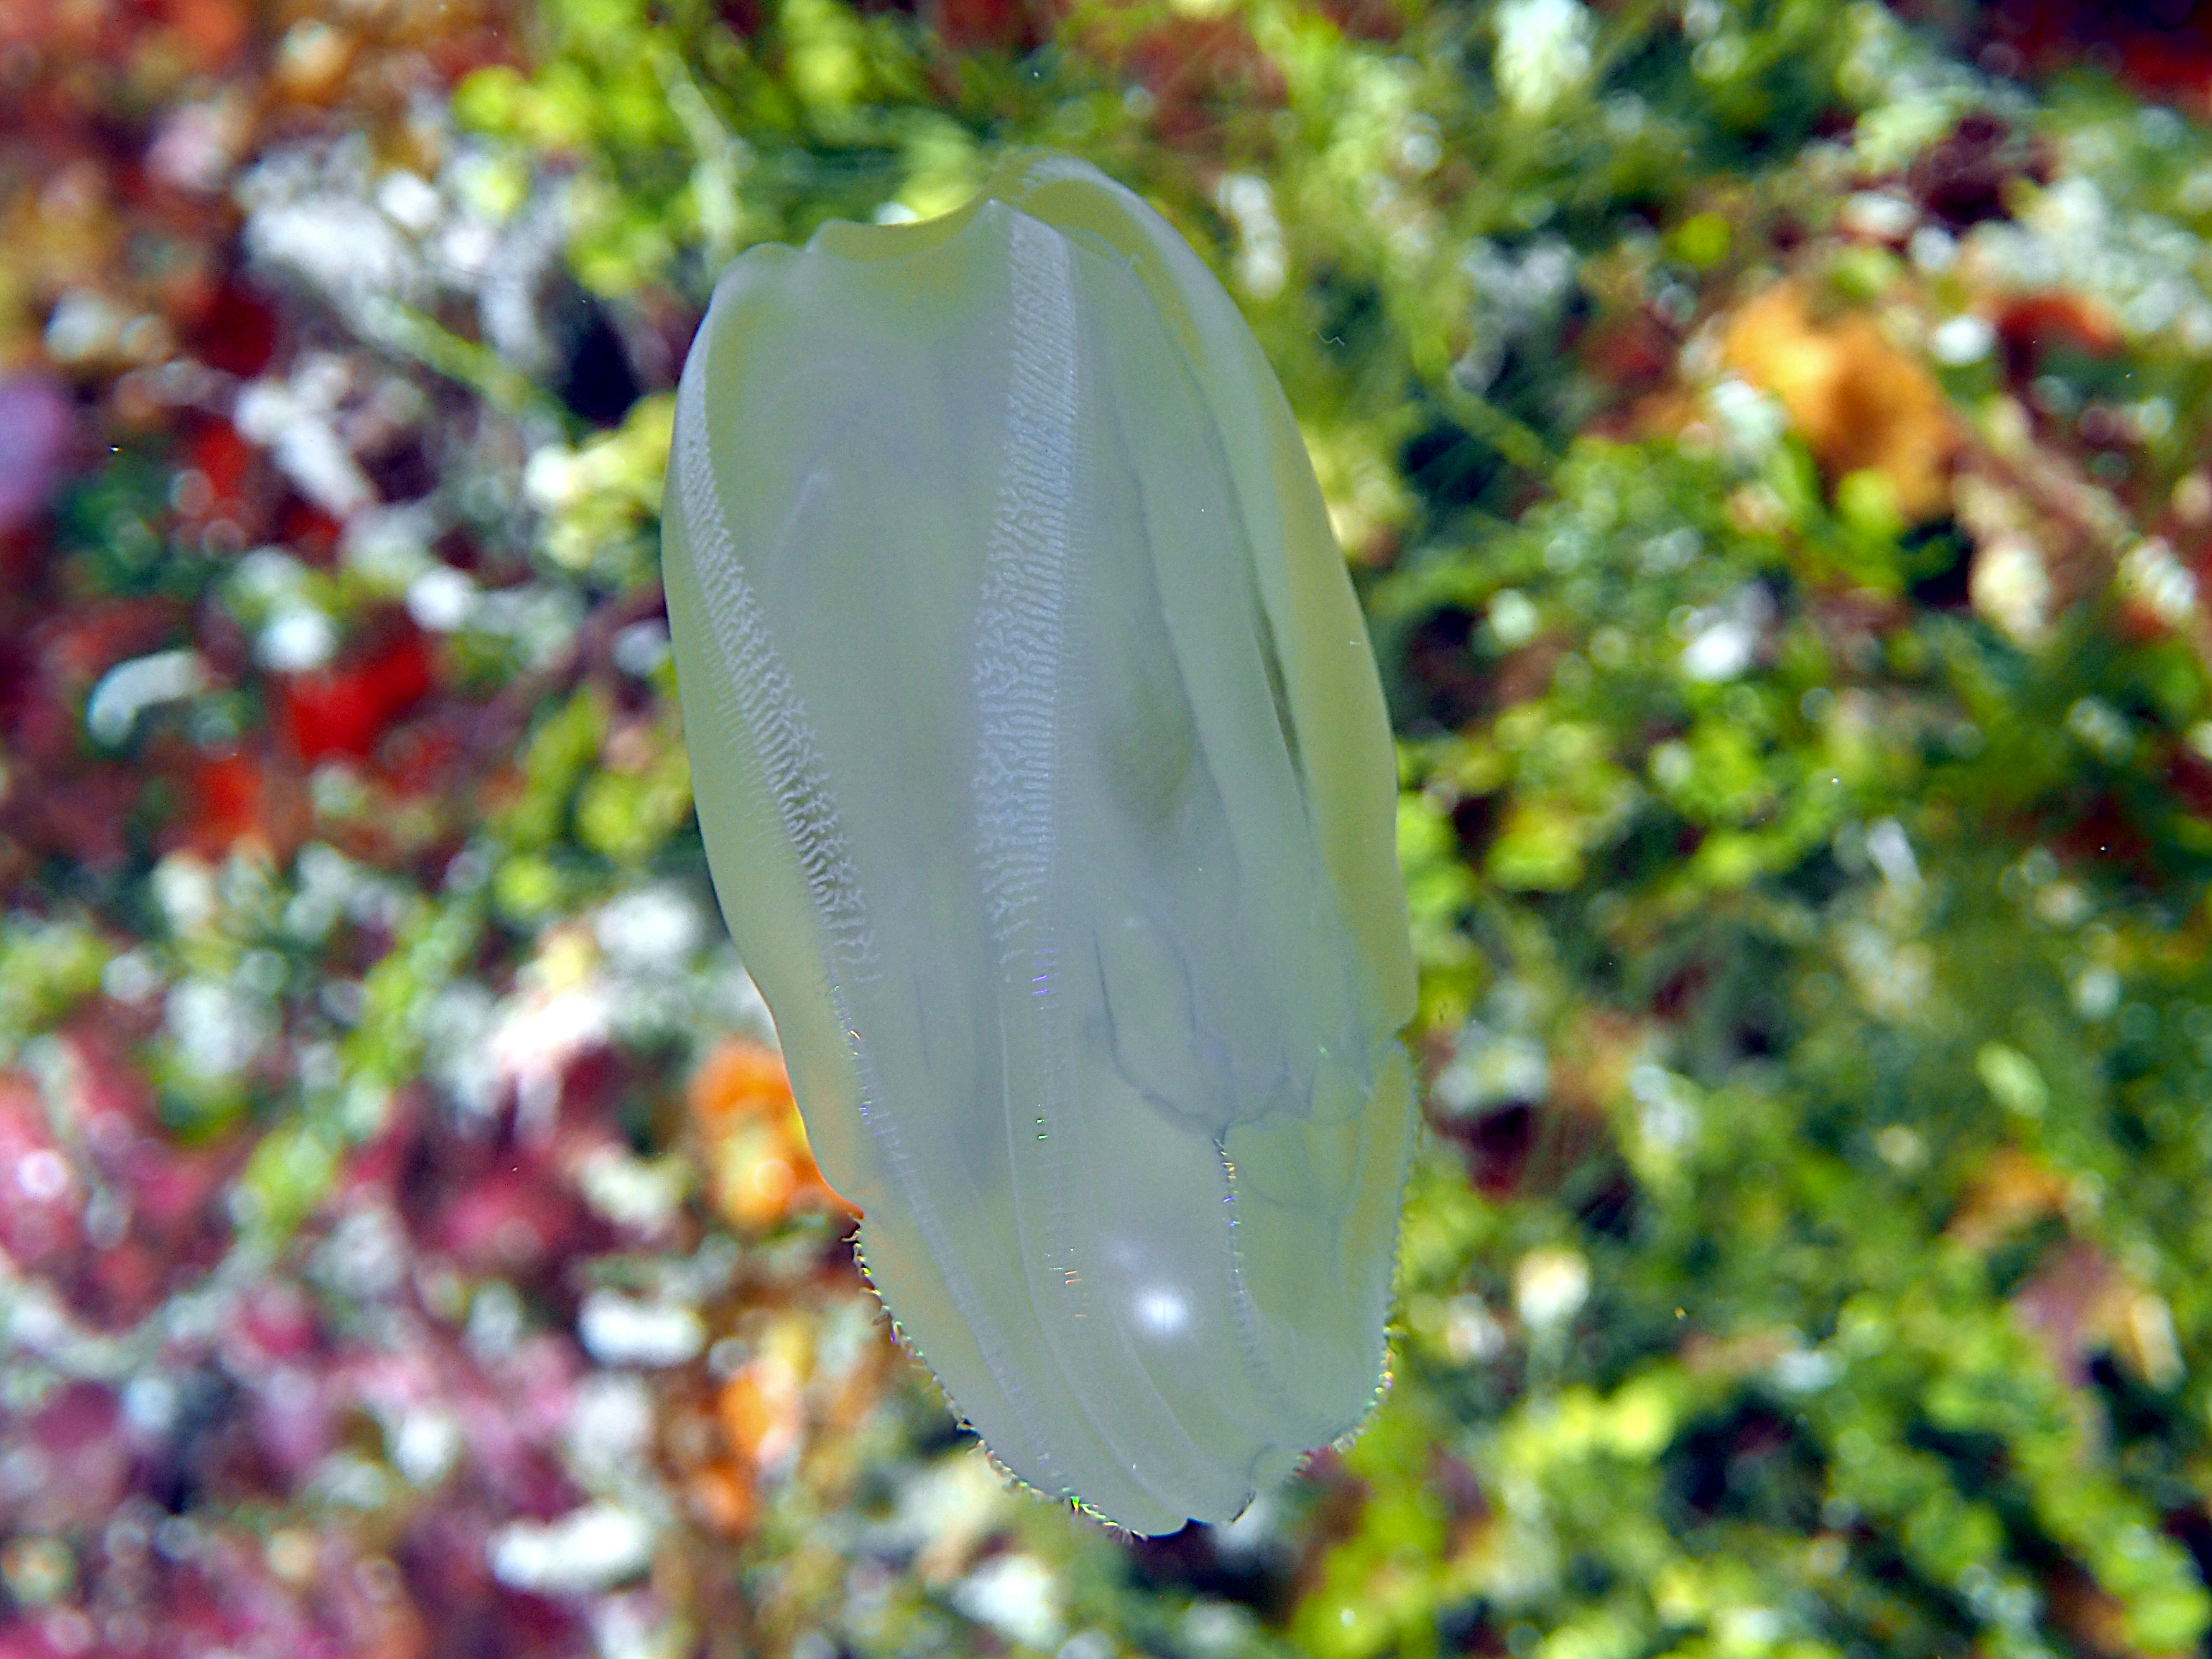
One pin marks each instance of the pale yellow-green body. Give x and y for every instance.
(1045, 779)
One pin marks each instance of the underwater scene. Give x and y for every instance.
(1750, 1198)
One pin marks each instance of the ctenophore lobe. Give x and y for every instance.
(1045, 779)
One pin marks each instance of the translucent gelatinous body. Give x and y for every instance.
(1047, 786)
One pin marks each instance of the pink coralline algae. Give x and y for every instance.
(34, 428)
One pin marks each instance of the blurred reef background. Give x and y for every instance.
(1771, 437)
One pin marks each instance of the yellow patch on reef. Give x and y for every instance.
(1862, 403)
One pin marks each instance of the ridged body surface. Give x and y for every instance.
(1047, 786)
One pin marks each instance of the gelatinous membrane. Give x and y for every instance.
(1047, 790)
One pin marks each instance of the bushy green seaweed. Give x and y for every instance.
(1810, 1254)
